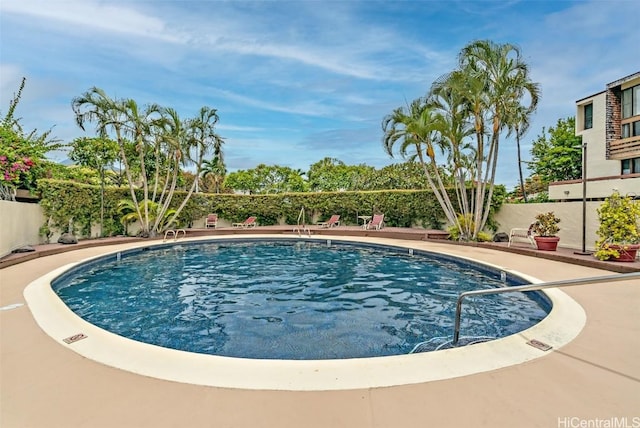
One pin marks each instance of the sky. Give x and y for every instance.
(297, 81)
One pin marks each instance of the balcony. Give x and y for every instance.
(625, 148)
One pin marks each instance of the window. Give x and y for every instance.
(631, 102)
(588, 116)
(631, 129)
(631, 166)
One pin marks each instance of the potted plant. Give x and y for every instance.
(619, 231)
(544, 229)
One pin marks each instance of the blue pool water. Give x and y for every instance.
(291, 299)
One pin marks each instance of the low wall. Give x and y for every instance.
(20, 222)
(19, 225)
(569, 213)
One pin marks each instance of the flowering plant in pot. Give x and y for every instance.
(619, 231)
(545, 228)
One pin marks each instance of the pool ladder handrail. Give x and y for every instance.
(536, 287)
(302, 227)
(175, 232)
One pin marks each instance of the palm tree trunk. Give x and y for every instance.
(524, 193)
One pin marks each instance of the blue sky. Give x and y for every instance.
(297, 81)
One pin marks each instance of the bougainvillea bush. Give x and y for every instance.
(22, 155)
(14, 163)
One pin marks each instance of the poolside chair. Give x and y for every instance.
(249, 222)
(333, 221)
(211, 221)
(377, 222)
(522, 234)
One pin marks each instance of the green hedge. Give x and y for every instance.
(62, 200)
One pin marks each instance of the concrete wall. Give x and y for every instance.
(596, 189)
(19, 225)
(20, 222)
(569, 213)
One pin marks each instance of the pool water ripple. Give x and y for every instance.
(289, 300)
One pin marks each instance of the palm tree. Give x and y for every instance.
(216, 169)
(505, 77)
(201, 139)
(449, 97)
(519, 118)
(163, 144)
(138, 125)
(170, 139)
(415, 129)
(478, 99)
(94, 106)
(128, 214)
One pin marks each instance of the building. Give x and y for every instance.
(609, 123)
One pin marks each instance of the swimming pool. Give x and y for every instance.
(561, 326)
(292, 299)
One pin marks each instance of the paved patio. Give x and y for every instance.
(596, 377)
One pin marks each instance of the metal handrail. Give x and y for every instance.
(175, 233)
(535, 287)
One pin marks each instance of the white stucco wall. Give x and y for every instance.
(20, 222)
(597, 163)
(569, 213)
(596, 189)
(19, 225)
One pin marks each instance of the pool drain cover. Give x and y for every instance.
(72, 339)
(540, 345)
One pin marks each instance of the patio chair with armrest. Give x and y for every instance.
(211, 221)
(522, 234)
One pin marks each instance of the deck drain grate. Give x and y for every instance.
(72, 339)
(540, 345)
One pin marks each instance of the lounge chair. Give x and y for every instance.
(249, 222)
(377, 222)
(211, 221)
(333, 221)
(522, 234)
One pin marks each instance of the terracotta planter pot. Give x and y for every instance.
(626, 255)
(547, 243)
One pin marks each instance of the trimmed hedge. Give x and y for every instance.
(63, 200)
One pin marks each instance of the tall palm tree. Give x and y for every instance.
(95, 106)
(138, 124)
(449, 97)
(478, 99)
(506, 79)
(171, 141)
(519, 120)
(201, 138)
(414, 129)
(163, 144)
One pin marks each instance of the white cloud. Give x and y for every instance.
(78, 15)
(304, 78)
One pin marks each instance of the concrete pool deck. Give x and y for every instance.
(594, 377)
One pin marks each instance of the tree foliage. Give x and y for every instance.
(557, 154)
(332, 175)
(404, 175)
(266, 179)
